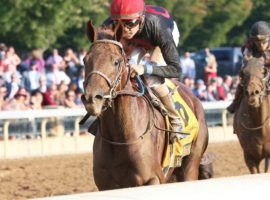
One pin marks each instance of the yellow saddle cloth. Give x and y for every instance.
(175, 152)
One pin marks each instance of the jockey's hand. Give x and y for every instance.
(137, 70)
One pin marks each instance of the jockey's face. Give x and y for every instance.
(262, 45)
(130, 27)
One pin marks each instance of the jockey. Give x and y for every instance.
(257, 46)
(150, 29)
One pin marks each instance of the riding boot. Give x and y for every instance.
(237, 99)
(174, 118)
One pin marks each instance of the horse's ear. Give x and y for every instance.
(90, 31)
(118, 33)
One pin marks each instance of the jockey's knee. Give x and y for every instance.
(161, 90)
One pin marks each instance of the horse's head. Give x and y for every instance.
(104, 68)
(254, 78)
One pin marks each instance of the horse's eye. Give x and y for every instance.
(117, 62)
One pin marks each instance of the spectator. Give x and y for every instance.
(57, 76)
(234, 85)
(49, 97)
(210, 93)
(80, 80)
(78, 99)
(82, 54)
(221, 94)
(227, 82)
(8, 75)
(69, 101)
(14, 85)
(200, 90)
(62, 88)
(12, 60)
(55, 58)
(71, 64)
(186, 81)
(3, 94)
(191, 83)
(36, 56)
(2, 81)
(210, 70)
(43, 84)
(3, 49)
(36, 100)
(188, 66)
(31, 78)
(213, 84)
(19, 102)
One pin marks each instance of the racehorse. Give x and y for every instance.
(128, 147)
(251, 120)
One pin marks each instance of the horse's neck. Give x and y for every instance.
(127, 118)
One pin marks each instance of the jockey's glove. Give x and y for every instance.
(137, 70)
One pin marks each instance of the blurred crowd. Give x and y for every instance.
(212, 87)
(35, 82)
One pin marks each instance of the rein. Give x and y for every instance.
(255, 128)
(141, 137)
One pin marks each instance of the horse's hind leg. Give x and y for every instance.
(253, 165)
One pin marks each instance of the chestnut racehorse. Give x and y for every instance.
(251, 120)
(128, 147)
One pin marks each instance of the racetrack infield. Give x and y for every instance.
(59, 175)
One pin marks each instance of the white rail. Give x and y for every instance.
(46, 113)
(44, 145)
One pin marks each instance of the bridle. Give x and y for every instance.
(113, 93)
(263, 93)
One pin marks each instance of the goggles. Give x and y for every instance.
(261, 38)
(129, 23)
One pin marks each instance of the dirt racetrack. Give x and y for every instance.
(58, 175)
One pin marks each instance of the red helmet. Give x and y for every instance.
(127, 9)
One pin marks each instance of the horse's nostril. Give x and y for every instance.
(99, 97)
(257, 92)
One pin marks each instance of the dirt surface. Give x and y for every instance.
(59, 175)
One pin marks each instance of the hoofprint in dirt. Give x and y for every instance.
(59, 175)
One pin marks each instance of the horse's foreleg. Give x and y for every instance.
(153, 181)
(252, 165)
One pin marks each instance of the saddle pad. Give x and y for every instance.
(175, 152)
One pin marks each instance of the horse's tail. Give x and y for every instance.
(266, 164)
